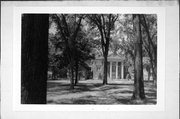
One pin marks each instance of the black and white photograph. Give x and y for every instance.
(89, 59)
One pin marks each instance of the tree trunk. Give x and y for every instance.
(149, 73)
(154, 75)
(105, 70)
(153, 54)
(68, 74)
(34, 57)
(138, 65)
(153, 71)
(72, 78)
(76, 78)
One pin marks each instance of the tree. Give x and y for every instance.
(74, 44)
(105, 24)
(83, 52)
(34, 58)
(149, 23)
(115, 46)
(68, 26)
(138, 93)
(124, 32)
(149, 36)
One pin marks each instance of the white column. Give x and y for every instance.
(110, 73)
(122, 70)
(116, 70)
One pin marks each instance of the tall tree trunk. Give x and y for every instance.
(154, 75)
(105, 69)
(34, 58)
(138, 65)
(154, 71)
(149, 73)
(72, 78)
(153, 53)
(76, 78)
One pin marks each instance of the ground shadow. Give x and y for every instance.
(95, 93)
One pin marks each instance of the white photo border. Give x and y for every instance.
(18, 11)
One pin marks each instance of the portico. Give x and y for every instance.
(115, 67)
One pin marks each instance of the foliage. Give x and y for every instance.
(73, 47)
(78, 38)
(105, 23)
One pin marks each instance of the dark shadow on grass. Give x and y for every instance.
(126, 91)
(151, 101)
(128, 84)
(83, 101)
(62, 88)
(86, 87)
(151, 90)
(108, 88)
(151, 95)
(56, 84)
(122, 100)
(111, 87)
(80, 87)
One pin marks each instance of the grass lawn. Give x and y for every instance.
(93, 92)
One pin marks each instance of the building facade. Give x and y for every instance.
(115, 67)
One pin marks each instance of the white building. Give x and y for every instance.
(115, 67)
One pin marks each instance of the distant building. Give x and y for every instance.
(115, 67)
